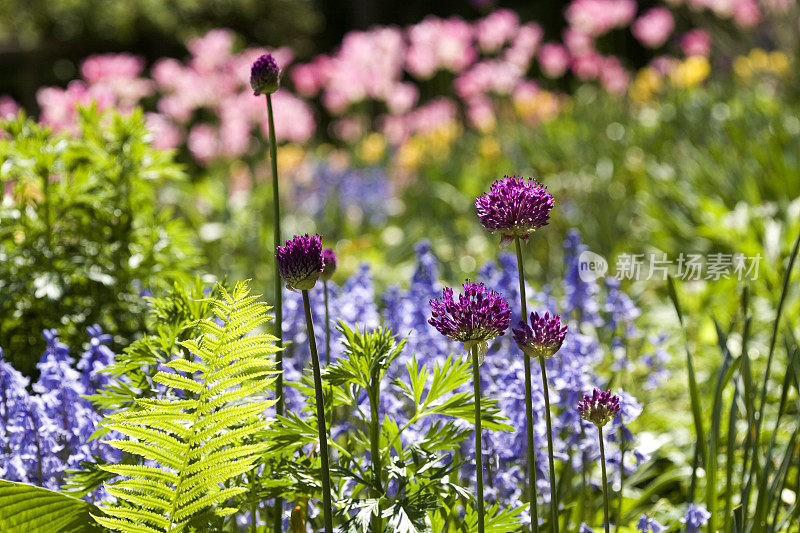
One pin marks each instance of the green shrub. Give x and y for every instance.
(82, 233)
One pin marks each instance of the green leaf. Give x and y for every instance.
(30, 509)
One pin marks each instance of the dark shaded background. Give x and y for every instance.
(42, 42)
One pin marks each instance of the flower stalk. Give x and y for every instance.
(605, 479)
(323, 433)
(478, 451)
(528, 401)
(553, 486)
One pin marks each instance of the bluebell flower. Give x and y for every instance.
(13, 397)
(649, 525)
(620, 309)
(96, 358)
(696, 516)
(580, 297)
(358, 193)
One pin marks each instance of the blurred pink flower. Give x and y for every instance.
(696, 43)
(119, 73)
(437, 44)
(402, 98)
(524, 46)
(487, 76)
(613, 76)
(598, 17)
(554, 60)
(294, 120)
(496, 29)
(578, 42)
(480, 113)
(211, 51)
(59, 107)
(654, 27)
(348, 129)
(746, 13)
(203, 142)
(8, 108)
(166, 135)
(587, 66)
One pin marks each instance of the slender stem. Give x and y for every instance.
(277, 290)
(528, 399)
(553, 486)
(327, 325)
(323, 433)
(605, 478)
(621, 480)
(375, 446)
(476, 381)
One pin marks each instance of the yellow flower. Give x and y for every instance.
(488, 148)
(409, 155)
(372, 148)
(538, 107)
(778, 62)
(691, 72)
(289, 156)
(647, 83)
(742, 68)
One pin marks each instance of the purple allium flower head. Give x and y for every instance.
(649, 525)
(514, 207)
(478, 316)
(300, 261)
(599, 408)
(696, 517)
(329, 262)
(265, 76)
(542, 337)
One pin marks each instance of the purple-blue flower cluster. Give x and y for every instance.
(478, 316)
(300, 261)
(502, 374)
(45, 431)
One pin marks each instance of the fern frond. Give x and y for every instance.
(205, 441)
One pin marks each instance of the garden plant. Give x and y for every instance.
(470, 275)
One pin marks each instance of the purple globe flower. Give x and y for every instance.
(514, 207)
(478, 316)
(329, 262)
(300, 261)
(542, 337)
(599, 408)
(265, 76)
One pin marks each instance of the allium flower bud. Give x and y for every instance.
(514, 207)
(478, 316)
(599, 408)
(543, 337)
(329, 262)
(300, 261)
(265, 76)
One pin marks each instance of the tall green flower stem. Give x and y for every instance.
(553, 486)
(327, 325)
(375, 441)
(605, 479)
(277, 290)
(528, 398)
(323, 433)
(476, 381)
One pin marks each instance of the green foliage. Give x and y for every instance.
(82, 233)
(202, 434)
(763, 467)
(30, 509)
(424, 475)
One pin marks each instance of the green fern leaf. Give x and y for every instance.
(205, 441)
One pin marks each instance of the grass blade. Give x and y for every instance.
(693, 390)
